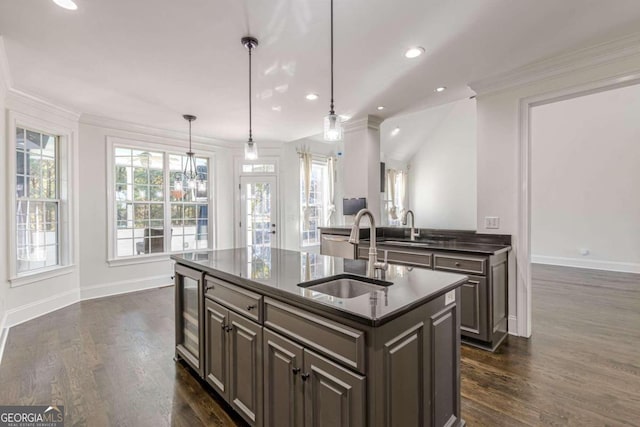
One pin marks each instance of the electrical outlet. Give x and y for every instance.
(492, 222)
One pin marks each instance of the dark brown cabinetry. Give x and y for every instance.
(234, 360)
(483, 300)
(189, 309)
(285, 364)
(303, 388)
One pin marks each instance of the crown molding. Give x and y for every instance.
(124, 126)
(17, 97)
(569, 62)
(367, 122)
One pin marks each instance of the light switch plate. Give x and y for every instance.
(450, 297)
(492, 222)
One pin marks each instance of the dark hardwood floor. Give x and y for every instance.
(581, 367)
(109, 361)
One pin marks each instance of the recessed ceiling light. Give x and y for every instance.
(440, 89)
(395, 131)
(66, 4)
(312, 96)
(380, 107)
(414, 52)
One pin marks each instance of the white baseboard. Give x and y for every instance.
(26, 312)
(625, 267)
(4, 333)
(123, 287)
(512, 325)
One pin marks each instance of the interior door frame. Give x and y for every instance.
(523, 243)
(237, 208)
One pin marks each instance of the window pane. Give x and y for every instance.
(36, 235)
(140, 177)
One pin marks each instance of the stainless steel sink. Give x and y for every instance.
(345, 286)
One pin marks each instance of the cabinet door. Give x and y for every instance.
(245, 375)
(283, 392)
(473, 308)
(333, 396)
(217, 347)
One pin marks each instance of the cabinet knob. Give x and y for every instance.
(208, 288)
(457, 264)
(228, 328)
(304, 376)
(251, 307)
(224, 326)
(295, 371)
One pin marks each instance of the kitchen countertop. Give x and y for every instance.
(432, 239)
(442, 245)
(278, 272)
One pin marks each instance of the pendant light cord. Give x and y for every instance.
(332, 111)
(250, 133)
(190, 151)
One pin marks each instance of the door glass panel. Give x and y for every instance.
(190, 315)
(258, 214)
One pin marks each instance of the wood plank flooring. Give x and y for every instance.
(109, 361)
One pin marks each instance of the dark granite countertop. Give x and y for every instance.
(278, 272)
(442, 245)
(433, 239)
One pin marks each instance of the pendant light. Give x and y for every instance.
(250, 148)
(332, 123)
(189, 176)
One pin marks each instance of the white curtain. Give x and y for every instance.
(306, 162)
(331, 169)
(391, 192)
(396, 193)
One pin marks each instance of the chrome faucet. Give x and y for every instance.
(375, 268)
(414, 231)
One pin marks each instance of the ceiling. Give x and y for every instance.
(150, 61)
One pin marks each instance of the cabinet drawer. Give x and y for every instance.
(408, 257)
(234, 297)
(344, 344)
(337, 245)
(475, 265)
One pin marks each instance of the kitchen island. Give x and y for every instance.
(291, 338)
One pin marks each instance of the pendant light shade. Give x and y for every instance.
(188, 178)
(250, 147)
(250, 151)
(332, 128)
(332, 123)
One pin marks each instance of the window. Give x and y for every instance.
(318, 203)
(37, 201)
(153, 215)
(258, 168)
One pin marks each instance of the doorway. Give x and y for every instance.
(258, 212)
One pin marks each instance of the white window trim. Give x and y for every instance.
(66, 149)
(169, 148)
(322, 161)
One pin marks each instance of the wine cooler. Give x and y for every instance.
(189, 322)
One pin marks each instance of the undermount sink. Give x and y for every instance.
(345, 286)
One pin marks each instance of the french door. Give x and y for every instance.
(258, 211)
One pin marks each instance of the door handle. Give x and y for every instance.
(273, 231)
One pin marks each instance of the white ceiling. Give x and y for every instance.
(150, 61)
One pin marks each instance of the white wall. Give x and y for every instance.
(290, 182)
(498, 142)
(442, 173)
(585, 178)
(97, 277)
